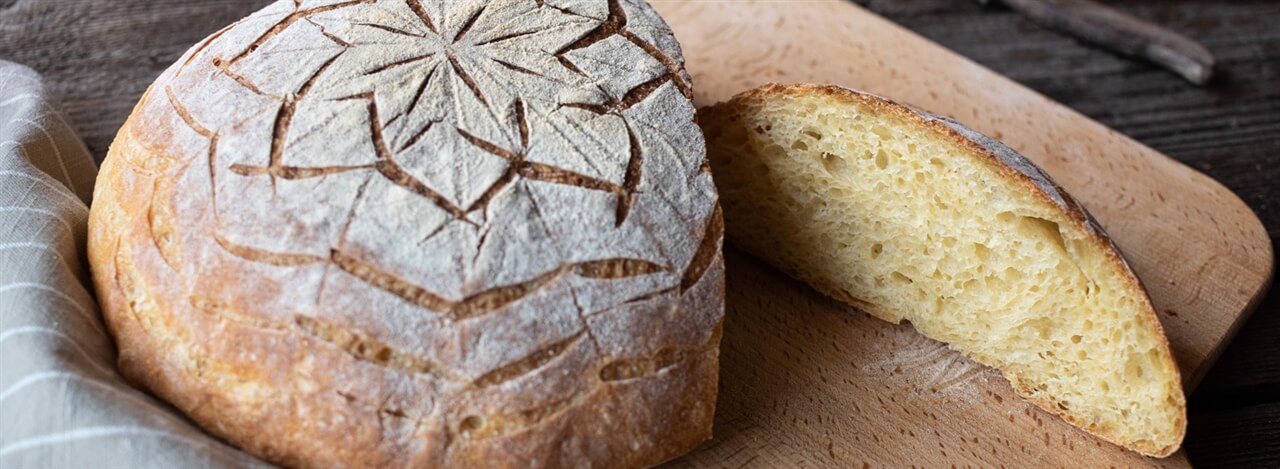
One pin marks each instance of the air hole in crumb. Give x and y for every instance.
(799, 145)
(813, 134)
(876, 249)
(1075, 339)
(882, 160)
(983, 252)
(881, 132)
(901, 278)
(471, 424)
(833, 163)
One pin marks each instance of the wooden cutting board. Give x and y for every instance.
(807, 381)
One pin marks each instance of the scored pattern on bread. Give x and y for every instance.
(910, 216)
(416, 232)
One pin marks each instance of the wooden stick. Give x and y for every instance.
(1122, 33)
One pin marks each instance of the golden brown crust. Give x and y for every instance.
(199, 320)
(1016, 168)
(169, 348)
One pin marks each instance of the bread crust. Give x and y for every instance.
(211, 324)
(1015, 168)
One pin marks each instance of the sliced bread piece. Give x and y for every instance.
(912, 216)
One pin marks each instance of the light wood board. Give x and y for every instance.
(808, 381)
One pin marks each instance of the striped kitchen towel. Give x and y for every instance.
(62, 403)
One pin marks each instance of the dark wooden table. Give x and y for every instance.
(99, 55)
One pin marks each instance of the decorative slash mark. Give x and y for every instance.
(394, 172)
(278, 259)
(466, 78)
(488, 426)
(527, 364)
(389, 282)
(628, 100)
(554, 175)
(205, 44)
(185, 114)
(551, 174)
(365, 348)
(707, 252)
(413, 104)
(418, 135)
(516, 68)
(336, 40)
(487, 301)
(496, 298)
(224, 311)
(664, 359)
(398, 63)
(294, 173)
(631, 181)
(616, 21)
(280, 135)
(507, 37)
(515, 159)
(389, 29)
(285, 23)
(462, 32)
(616, 24)
(416, 6)
(487, 146)
(225, 68)
(355, 343)
(617, 268)
(641, 367)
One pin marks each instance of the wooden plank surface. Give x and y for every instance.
(1201, 251)
(99, 56)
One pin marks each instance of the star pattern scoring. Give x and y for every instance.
(462, 192)
(423, 71)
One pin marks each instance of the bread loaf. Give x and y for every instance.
(910, 216)
(418, 233)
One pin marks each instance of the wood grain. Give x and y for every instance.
(99, 56)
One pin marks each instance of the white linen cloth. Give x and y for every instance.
(62, 403)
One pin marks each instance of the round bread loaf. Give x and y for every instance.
(421, 233)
